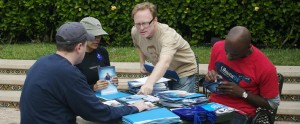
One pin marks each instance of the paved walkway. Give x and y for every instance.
(9, 115)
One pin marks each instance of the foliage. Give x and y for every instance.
(23, 20)
(273, 23)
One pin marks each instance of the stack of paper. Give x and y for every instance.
(134, 98)
(154, 116)
(131, 99)
(161, 85)
(177, 98)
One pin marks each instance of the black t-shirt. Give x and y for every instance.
(90, 63)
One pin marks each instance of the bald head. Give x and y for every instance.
(239, 34)
(238, 43)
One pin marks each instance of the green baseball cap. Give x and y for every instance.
(93, 26)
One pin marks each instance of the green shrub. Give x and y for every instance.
(273, 23)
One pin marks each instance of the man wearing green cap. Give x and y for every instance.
(95, 55)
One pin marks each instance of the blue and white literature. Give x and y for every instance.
(111, 92)
(154, 116)
(106, 73)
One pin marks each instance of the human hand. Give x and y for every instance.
(211, 76)
(100, 84)
(115, 80)
(230, 88)
(146, 89)
(140, 105)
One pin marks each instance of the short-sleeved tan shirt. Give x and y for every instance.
(166, 41)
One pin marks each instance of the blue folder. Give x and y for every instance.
(159, 115)
(169, 73)
(112, 96)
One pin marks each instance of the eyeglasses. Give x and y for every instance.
(144, 24)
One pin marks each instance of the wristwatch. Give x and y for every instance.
(245, 94)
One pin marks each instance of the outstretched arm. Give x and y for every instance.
(158, 72)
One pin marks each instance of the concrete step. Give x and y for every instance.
(10, 96)
(16, 64)
(12, 79)
(288, 88)
(289, 108)
(19, 80)
(291, 88)
(285, 122)
(9, 115)
(126, 67)
(133, 67)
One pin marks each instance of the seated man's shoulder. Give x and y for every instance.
(261, 57)
(219, 43)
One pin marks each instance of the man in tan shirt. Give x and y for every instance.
(164, 48)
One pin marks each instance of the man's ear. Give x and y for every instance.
(78, 47)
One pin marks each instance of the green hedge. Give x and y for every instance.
(273, 23)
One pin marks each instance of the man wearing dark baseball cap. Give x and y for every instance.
(55, 91)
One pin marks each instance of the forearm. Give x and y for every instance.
(233, 89)
(258, 101)
(160, 69)
(157, 73)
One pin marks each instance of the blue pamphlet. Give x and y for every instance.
(107, 73)
(213, 106)
(212, 87)
(159, 115)
(112, 96)
(169, 73)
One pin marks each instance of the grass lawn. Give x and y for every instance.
(290, 57)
